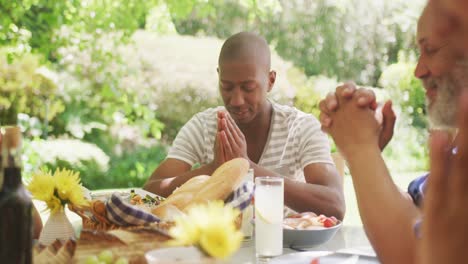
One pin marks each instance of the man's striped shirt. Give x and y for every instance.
(295, 140)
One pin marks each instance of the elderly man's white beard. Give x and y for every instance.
(443, 112)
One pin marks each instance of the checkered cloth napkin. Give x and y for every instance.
(122, 213)
(242, 197)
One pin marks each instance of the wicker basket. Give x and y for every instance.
(93, 219)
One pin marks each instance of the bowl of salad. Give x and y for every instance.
(306, 230)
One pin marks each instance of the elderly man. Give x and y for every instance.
(445, 238)
(349, 116)
(278, 140)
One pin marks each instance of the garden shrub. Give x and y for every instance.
(72, 151)
(407, 151)
(97, 170)
(310, 90)
(28, 87)
(406, 90)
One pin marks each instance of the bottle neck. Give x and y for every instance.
(1, 172)
(11, 158)
(11, 168)
(12, 178)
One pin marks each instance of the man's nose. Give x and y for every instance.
(421, 70)
(237, 98)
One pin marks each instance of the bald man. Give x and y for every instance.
(277, 140)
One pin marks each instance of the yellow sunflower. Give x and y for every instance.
(58, 189)
(42, 186)
(214, 212)
(220, 241)
(185, 232)
(68, 187)
(54, 204)
(209, 226)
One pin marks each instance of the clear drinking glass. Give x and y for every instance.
(269, 202)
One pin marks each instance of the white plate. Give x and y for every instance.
(179, 255)
(104, 194)
(325, 257)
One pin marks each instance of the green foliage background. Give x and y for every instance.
(80, 71)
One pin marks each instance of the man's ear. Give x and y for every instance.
(217, 70)
(271, 80)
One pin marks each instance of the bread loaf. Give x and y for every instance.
(223, 181)
(204, 188)
(181, 196)
(192, 185)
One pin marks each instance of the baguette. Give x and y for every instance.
(179, 200)
(200, 189)
(192, 185)
(224, 181)
(181, 196)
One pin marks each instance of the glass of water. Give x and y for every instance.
(269, 202)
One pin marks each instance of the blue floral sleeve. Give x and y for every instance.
(416, 189)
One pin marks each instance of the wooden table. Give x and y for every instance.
(136, 244)
(348, 239)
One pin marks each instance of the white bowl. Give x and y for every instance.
(294, 238)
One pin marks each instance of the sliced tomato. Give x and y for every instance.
(328, 223)
(315, 261)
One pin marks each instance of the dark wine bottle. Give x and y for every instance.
(15, 204)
